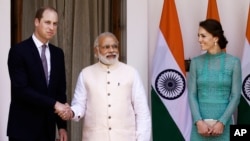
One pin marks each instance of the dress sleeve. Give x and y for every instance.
(78, 104)
(192, 92)
(141, 108)
(235, 92)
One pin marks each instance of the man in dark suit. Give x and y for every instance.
(37, 94)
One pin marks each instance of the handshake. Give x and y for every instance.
(64, 111)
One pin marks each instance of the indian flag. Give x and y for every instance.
(244, 106)
(171, 114)
(212, 10)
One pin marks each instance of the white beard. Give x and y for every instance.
(106, 61)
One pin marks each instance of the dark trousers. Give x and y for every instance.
(41, 139)
(12, 139)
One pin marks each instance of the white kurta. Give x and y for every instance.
(113, 104)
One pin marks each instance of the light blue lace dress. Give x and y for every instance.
(214, 89)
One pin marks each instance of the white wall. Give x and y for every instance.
(4, 76)
(137, 36)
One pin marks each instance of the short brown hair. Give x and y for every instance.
(39, 12)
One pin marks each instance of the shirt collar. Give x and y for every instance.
(38, 43)
(110, 67)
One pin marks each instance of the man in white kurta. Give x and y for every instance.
(110, 98)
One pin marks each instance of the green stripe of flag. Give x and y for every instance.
(243, 112)
(164, 128)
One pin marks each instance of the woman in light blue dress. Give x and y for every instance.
(214, 85)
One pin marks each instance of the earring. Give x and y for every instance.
(215, 43)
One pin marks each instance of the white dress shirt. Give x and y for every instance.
(47, 52)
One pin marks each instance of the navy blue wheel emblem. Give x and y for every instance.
(170, 84)
(246, 87)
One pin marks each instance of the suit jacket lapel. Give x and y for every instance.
(37, 57)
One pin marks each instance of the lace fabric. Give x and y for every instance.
(214, 89)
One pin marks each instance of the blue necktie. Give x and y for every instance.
(44, 61)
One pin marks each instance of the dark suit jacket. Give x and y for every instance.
(31, 114)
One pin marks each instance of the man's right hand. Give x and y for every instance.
(63, 110)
